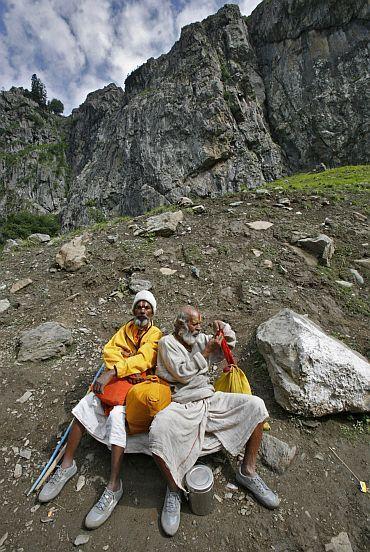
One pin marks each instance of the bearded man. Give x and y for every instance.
(130, 352)
(177, 433)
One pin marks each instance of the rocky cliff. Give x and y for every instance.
(236, 101)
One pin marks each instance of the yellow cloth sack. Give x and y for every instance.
(144, 401)
(234, 381)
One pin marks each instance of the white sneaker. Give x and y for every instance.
(57, 482)
(170, 518)
(103, 508)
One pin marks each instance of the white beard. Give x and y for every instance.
(141, 322)
(188, 337)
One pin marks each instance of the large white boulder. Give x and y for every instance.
(72, 255)
(164, 224)
(312, 374)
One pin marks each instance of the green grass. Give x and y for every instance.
(349, 178)
(23, 224)
(356, 427)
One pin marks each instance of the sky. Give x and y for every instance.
(77, 46)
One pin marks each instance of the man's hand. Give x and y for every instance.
(212, 346)
(218, 325)
(102, 381)
(135, 378)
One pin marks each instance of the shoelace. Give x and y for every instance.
(172, 502)
(260, 484)
(57, 476)
(104, 500)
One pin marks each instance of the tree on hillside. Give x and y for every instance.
(38, 90)
(56, 106)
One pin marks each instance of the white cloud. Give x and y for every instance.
(76, 46)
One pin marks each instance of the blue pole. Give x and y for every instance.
(60, 444)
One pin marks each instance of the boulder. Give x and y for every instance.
(322, 247)
(312, 373)
(72, 255)
(340, 543)
(48, 340)
(161, 225)
(276, 454)
(39, 238)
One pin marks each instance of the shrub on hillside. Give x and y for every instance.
(23, 224)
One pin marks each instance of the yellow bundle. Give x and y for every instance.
(234, 381)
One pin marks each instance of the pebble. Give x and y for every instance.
(158, 252)
(17, 471)
(228, 495)
(256, 252)
(218, 498)
(3, 538)
(20, 284)
(4, 305)
(199, 209)
(112, 239)
(106, 547)
(25, 397)
(80, 483)
(232, 487)
(35, 508)
(319, 456)
(267, 263)
(357, 276)
(167, 271)
(236, 204)
(344, 283)
(25, 453)
(81, 539)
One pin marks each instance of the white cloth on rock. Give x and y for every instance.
(109, 430)
(178, 432)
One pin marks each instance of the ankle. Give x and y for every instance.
(66, 463)
(113, 486)
(249, 471)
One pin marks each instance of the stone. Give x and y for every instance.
(20, 284)
(199, 209)
(322, 247)
(81, 539)
(17, 471)
(11, 244)
(256, 252)
(80, 483)
(24, 398)
(267, 263)
(47, 340)
(276, 454)
(158, 252)
(185, 201)
(164, 224)
(344, 283)
(39, 238)
(137, 284)
(25, 453)
(360, 216)
(312, 373)
(195, 272)
(111, 238)
(260, 225)
(167, 271)
(236, 203)
(340, 543)
(4, 305)
(356, 276)
(72, 255)
(3, 538)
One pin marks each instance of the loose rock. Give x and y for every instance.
(185, 202)
(312, 373)
(39, 238)
(340, 543)
(199, 209)
(46, 341)
(81, 539)
(322, 247)
(4, 305)
(17, 471)
(136, 284)
(260, 225)
(80, 483)
(167, 271)
(72, 255)
(20, 284)
(25, 397)
(344, 283)
(357, 276)
(276, 454)
(161, 225)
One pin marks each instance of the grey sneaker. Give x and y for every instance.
(57, 482)
(170, 517)
(103, 508)
(259, 489)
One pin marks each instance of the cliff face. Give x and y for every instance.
(312, 56)
(236, 101)
(33, 167)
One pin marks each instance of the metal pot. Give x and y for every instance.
(199, 482)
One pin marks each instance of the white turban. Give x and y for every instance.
(145, 295)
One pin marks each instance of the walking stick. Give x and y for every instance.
(59, 449)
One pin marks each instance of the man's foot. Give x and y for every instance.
(103, 508)
(259, 489)
(170, 517)
(57, 482)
